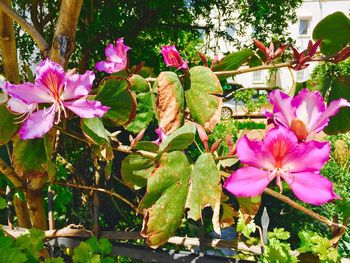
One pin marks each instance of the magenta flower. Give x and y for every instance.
(306, 114)
(280, 156)
(172, 58)
(116, 57)
(161, 136)
(57, 89)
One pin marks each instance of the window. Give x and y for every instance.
(257, 76)
(301, 75)
(304, 27)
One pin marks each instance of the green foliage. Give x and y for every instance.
(180, 139)
(7, 125)
(252, 101)
(205, 187)
(318, 245)
(201, 99)
(277, 251)
(3, 203)
(245, 228)
(233, 61)
(164, 202)
(333, 30)
(115, 93)
(93, 128)
(93, 251)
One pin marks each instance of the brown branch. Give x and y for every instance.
(63, 43)
(10, 174)
(100, 190)
(37, 37)
(8, 47)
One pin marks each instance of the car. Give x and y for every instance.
(231, 107)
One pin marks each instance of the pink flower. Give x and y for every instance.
(116, 57)
(161, 136)
(306, 114)
(172, 58)
(57, 89)
(280, 156)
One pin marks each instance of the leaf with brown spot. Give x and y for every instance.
(170, 101)
(249, 206)
(201, 98)
(205, 187)
(164, 203)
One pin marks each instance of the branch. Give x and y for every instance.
(100, 190)
(10, 174)
(37, 37)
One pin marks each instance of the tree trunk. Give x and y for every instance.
(64, 39)
(8, 47)
(36, 209)
(22, 213)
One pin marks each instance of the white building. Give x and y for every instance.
(309, 14)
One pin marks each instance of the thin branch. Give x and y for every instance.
(10, 174)
(37, 37)
(100, 190)
(301, 208)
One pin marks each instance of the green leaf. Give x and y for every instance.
(201, 99)
(164, 203)
(255, 61)
(334, 31)
(139, 84)
(144, 112)
(3, 203)
(170, 101)
(136, 169)
(279, 233)
(54, 260)
(29, 157)
(205, 187)
(7, 125)
(102, 246)
(85, 254)
(32, 243)
(340, 123)
(234, 60)
(245, 228)
(9, 252)
(114, 92)
(147, 146)
(179, 139)
(93, 128)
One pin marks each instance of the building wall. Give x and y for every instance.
(312, 11)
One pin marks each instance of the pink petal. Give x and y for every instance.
(282, 108)
(50, 76)
(172, 57)
(29, 93)
(312, 188)
(247, 181)
(38, 124)
(112, 55)
(78, 85)
(254, 153)
(86, 108)
(308, 106)
(330, 111)
(280, 143)
(18, 106)
(105, 66)
(308, 157)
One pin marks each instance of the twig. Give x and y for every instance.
(10, 174)
(120, 148)
(37, 37)
(100, 190)
(301, 208)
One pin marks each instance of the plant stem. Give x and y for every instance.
(100, 190)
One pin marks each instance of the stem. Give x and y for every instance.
(301, 208)
(37, 37)
(8, 46)
(10, 174)
(36, 209)
(102, 191)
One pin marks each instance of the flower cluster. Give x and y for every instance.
(53, 92)
(287, 151)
